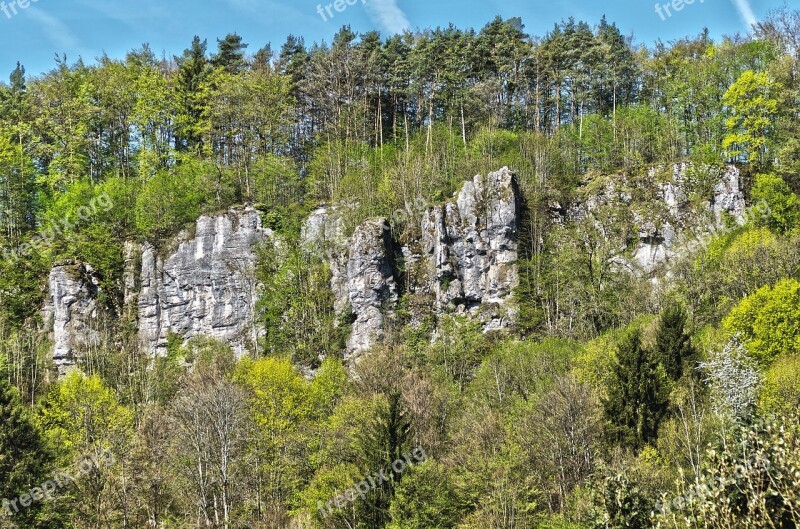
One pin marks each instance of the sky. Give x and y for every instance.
(34, 31)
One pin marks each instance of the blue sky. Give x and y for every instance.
(87, 28)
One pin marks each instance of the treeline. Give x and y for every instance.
(612, 391)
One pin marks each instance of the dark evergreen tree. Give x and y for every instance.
(262, 60)
(389, 440)
(673, 346)
(230, 54)
(192, 72)
(636, 402)
(293, 61)
(24, 457)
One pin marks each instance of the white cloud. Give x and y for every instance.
(58, 32)
(746, 12)
(388, 15)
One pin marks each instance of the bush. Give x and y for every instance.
(752, 482)
(781, 392)
(768, 321)
(784, 205)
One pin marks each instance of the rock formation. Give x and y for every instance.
(205, 286)
(460, 258)
(461, 261)
(679, 210)
(468, 250)
(71, 311)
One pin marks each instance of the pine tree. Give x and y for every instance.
(673, 346)
(24, 457)
(230, 54)
(389, 439)
(636, 402)
(262, 60)
(193, 70)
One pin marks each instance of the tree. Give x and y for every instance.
(211, 425)
(752, 107)
(280, 407)
(734, 380)
(768, 321)
(426, 498)
(673, 347)
(560, 435)
(297, 305)
(751, 481)
(192, 95)
(85, 420)
(386, 441)
(636, 402)
(230, 54)
(784, 205)
(25, 457)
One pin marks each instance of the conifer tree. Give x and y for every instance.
(636, 403)
(230, 54)
(24, 457)
(673, 346)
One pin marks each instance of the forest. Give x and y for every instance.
(616, 401)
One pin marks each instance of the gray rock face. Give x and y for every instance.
(670, 217)
(657, 247)
(370, 283)
(462, 259)
(206, 286)
(71, 310)
(469, 250)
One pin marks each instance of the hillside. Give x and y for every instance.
(446, 279)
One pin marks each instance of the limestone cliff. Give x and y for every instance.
(461, 259)
(72, 312)
(458, 257)
(668, 206)
(205, 285)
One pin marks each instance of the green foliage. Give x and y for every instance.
(426, 498)
(388, 128)
(768, 321)
(784, 205)
(172, 199)
(20, 288)
(673, 347)
(781, 392)
(85, 421)
(83, 417)
(752, 104)
(621, 503)
(636, 402)
(280, 408)
(25, 456)
(296, 305)
(750, 482)
(459, 349)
